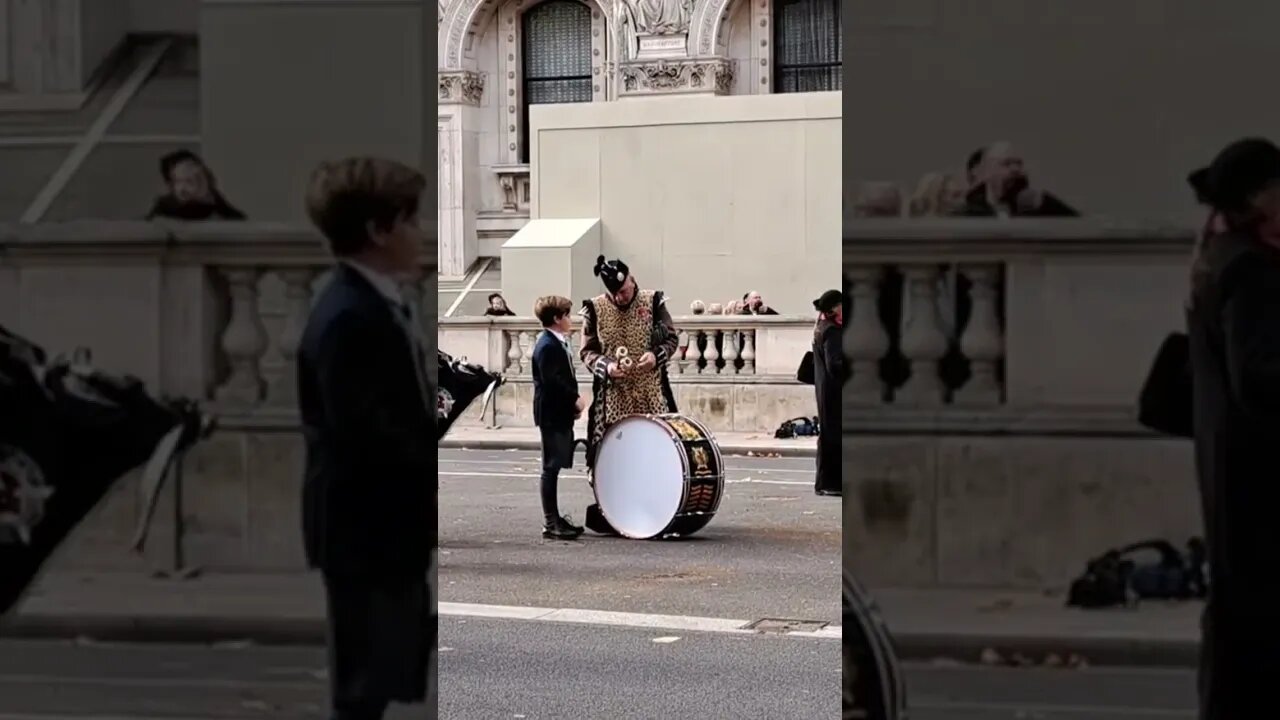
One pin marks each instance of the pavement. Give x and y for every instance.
(474, 437)
(771, 554)
(499, 669)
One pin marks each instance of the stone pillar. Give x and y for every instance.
(458, 140)
(286, 85)
(52, 50)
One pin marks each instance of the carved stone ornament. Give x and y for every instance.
(461, 86)
(695, 76)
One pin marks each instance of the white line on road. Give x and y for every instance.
(1039, 710)
(526, 476)
(621, 619)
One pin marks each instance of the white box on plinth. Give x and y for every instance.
(551, 257)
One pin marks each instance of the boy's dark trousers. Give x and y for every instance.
(557, 455)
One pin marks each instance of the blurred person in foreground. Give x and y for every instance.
(191, 191)
(368, 411)
(828, 375)
(1234, 327)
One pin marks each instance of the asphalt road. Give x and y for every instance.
(772, 551)
(495, 669)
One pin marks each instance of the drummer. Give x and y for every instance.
(627, 339)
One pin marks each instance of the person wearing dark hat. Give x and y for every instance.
(628, 337)
(192, 191)
(498, 307)
(1234, 327)
(828, 376)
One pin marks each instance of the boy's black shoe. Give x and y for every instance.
(561, 528)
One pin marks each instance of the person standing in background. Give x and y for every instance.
(1234, 328)
(828, 376)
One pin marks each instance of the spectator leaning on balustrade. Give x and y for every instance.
(498, 307)
(191, 191)
(1005, 190)
(753, 304)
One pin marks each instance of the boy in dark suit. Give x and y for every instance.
(556, 404)
(368, 413)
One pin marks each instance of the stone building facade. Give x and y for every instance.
(499, 57)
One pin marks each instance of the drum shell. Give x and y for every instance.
(703, 470)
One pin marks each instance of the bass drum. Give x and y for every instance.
(658, 475)
(873, 683)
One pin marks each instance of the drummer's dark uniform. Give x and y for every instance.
(643, 326)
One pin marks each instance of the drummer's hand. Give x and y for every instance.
(616, 371)
(648, 361)
(579, 407)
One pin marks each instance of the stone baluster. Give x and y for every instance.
(297, 293)
(923, 342)
(731, 352)
(865, 340)
(749, 352)
(682, 351)
(527, 339)
(245, 339)
(692, 355)
(512, 339)
(983, 340)
(711, 354)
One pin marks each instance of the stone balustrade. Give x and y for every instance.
(709, 346)
(210, 311)
(990, 432)
(1028, 326)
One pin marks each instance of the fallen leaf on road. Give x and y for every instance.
(990, 657)
(666, 640)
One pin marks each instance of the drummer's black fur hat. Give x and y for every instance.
(613, 274)
(1243, 169)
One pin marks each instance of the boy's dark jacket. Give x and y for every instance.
(555, 389)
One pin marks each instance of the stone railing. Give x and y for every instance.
(1014, 326)
(711, 347)
(209, 311)
(213, 311)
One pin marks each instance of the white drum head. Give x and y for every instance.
(639, 477)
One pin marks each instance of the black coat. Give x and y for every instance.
(555, 389)
(828, 376)
(369, 502)
(1234, 324)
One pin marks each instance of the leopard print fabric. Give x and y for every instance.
(632, 328)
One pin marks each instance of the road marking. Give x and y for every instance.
(610, 618)
(526, 476)
(75, 159)
(1036, 709)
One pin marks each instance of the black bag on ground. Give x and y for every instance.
(1164, 404)
(797, 427)
(1120, 577)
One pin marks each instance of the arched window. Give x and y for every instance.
(556, 52)
(808, 46)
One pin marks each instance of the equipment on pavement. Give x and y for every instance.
(460, 384)
(68, 434)
(873, 686)
(658, 476)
